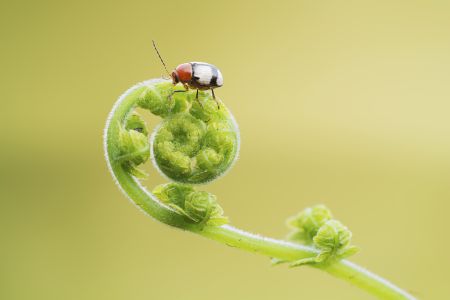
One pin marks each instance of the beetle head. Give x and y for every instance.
(175, 78)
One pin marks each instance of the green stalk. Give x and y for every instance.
(228, 235)
(283, 250)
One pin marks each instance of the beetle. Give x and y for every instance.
(195, 75)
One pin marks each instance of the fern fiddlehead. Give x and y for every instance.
(196, 143)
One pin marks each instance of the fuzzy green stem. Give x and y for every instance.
(225, 234)
(283, 250)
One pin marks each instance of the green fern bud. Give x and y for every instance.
(202, 207)
(333, 242)
(133, 145)
(198, 207)
(188, 150)
(307, 223)
(173, 194)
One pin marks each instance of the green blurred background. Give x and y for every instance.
(344, 103)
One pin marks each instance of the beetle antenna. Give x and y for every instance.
(159, 55)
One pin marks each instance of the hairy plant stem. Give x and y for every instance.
(283, 250)
(226, 234)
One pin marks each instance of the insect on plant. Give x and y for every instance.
(195, 75)
(195, 145)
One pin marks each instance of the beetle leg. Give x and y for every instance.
(186, 87)
(178, 91)
(173, 92)
(214, 97)
(196, 98)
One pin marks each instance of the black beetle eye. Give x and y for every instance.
(175, 77)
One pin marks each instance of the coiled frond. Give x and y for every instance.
(196, 143)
